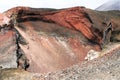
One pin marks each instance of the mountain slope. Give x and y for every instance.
(110, 5)
(46, 40)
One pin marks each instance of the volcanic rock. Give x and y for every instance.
(46, 40)
(8, 50)
(4, 20)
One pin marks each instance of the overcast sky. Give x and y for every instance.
(92, 4)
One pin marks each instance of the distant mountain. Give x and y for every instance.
(110, 5)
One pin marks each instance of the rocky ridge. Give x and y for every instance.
(47, 40)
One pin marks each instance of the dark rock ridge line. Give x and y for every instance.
(22, 61)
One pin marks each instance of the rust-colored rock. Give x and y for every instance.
(75, 18)
(49, 39)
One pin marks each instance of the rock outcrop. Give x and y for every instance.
(46, 40)
(8, 50)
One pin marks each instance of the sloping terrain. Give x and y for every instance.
(110, 5)
(104, 68)
(48, 40)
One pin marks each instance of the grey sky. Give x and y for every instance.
(92, 4)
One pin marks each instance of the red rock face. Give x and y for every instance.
(74, 18)
(50, 40)
(77, 19)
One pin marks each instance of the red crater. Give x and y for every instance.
(47, 40)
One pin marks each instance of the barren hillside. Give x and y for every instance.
(49, 42)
